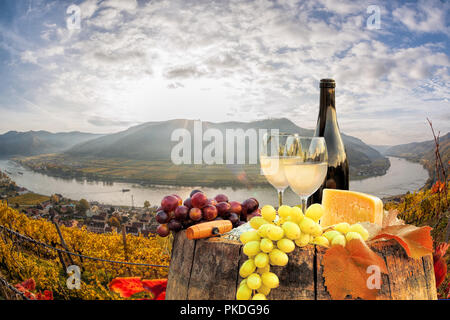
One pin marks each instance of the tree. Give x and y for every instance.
(114, 222)
(146, 204)
(54, 198)
(69, 210)
(82, 206)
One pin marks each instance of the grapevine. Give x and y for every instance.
(45, 268)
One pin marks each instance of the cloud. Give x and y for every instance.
(106, 122)
(88, 8)
(426, 16)
(185, 72)
(122, 5)
(237, 60)
(28, 57)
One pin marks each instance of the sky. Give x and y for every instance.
(104, 65)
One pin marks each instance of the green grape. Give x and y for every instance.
(270, 280)
(251, 248)
(278, 258)
(303, 240)
(360, 229)
(338, 240)
(331, 234)
(259, 296)
(244, 281)
(248, 236)
(261, 260)
(266, 245)
(315, 212)
(284, 211)
(244, 293)
(268, 213)
(286, 245)
(263, 289)
(296, 214)
(307, 225)
(275, 233)
(247, 268)
(257, 222)
(342, 227)
(353, 235)
(321, 241)
(291, 230)
(317, 232)
(262, 231)
(254, 281)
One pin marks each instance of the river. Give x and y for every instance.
(402, 176)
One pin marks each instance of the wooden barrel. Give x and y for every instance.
(208, 269)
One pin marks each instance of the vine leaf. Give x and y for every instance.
(345, 270)
(135, 288)
(127, 286)
(416, 241)
(390, 218)
(439, 263)
(157, 287)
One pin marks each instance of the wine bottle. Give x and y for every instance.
(327, 127)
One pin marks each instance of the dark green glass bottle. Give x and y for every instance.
(327, 127)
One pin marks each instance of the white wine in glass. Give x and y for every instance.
(271, 160)
(272, 168)
(305, 165)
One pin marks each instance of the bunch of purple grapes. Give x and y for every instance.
(175, 215)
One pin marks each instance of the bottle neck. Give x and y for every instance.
(327, 110)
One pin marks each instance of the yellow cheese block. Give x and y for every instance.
(351, 207)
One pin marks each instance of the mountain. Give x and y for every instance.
(416, 150)
(29, 143)
(152, 140)
(424, 152)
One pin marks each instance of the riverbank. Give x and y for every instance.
(165, 173)
(398, 180)
(402, 177)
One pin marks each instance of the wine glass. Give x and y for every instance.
(305, 165)
(271, 153)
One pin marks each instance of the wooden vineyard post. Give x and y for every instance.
(208, 269)
(124, 240)
(63, 243)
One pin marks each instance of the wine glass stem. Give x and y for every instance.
(280, 197)
(304, 201)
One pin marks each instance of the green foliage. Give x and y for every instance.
(426, 208)
(82, 206)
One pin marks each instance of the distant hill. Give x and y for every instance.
(142, 154)
(424, 152)
(29, 143)
(152, 140)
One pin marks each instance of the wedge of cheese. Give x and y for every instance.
(351, 207)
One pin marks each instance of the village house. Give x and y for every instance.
(98, 218)
(97, 227)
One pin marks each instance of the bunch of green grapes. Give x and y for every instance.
(341, 233)
(275, 235)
